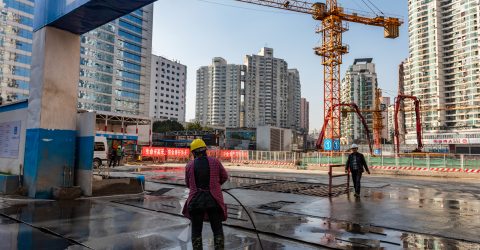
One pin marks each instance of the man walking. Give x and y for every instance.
(355, 163)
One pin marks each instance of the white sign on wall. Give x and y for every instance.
(10, 139)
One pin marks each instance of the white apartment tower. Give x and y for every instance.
(294, 99)
(358, 87)
(168, 89)
(219, 94)
(444, 70)
(261, 92)
(266, 90)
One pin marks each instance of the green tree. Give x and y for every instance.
(194, 126)
(167, 126)
(207, 129)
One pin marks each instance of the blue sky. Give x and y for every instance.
(195, 31)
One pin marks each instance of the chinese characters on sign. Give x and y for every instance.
(451, 141)
(185, 153)
(10, 139)
(165, 152)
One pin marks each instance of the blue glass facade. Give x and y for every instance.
(114, 65)
(15, 49)
(115, 62)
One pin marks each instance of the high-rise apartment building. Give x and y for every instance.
(16, 18)
(444, 70)
(358, 86)
(304, 115)
(266, 90)
(167, 89)
(390, 123)
(261, 92)
(114, 65)
(219, 94)
(294, 99)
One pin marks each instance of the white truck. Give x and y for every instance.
(100, 151)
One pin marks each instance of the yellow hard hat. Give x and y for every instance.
(197, 143)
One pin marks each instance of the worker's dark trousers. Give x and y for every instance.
(215, 218)
(356, 176)
(113, 160)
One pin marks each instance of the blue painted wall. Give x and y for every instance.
(84, 152)
(49, 160)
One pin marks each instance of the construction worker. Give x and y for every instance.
(355, 163)
(113, 157)
(119, 154)
(204, 177)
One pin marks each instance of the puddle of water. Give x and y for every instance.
(15, 235)
(168, 170)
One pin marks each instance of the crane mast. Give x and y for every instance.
(332, 49)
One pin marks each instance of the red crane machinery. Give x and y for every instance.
(356, 110)
(416, 101)
(333, 20)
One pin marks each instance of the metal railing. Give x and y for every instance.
(432, 160)
(435, 160)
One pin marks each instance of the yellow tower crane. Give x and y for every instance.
(333, 18)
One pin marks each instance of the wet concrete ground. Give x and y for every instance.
(393, 213)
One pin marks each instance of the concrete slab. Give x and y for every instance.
(14, 235)
(393, 213)
(109, 224)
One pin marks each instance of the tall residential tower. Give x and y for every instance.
(294, 99)
(218, 94)
(168, 89)
(114, 64)
(358, 87)
(304, 115)
(444, 70)
(261, 92)
(272, 91)
(16, 18)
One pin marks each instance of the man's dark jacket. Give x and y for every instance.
(360, 159)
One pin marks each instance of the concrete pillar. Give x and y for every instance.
(52, 111)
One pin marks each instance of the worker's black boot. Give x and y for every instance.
(219, 242)
(197, 243)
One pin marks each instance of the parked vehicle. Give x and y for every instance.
(100, 154)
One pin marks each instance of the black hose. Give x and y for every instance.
(253, 223)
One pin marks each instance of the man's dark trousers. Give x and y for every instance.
(356, 176)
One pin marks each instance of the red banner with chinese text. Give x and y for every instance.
(183, 153)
